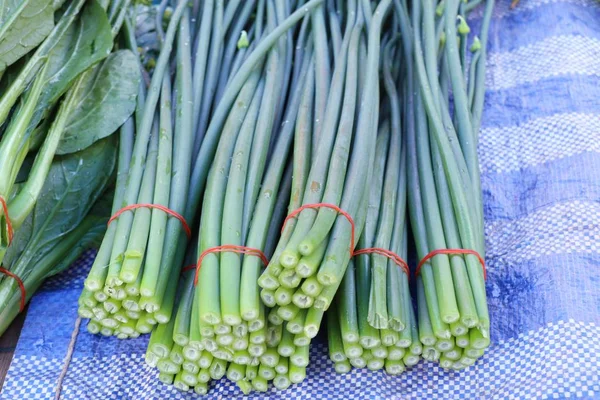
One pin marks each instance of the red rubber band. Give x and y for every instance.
(229, 248)
(167, 210)
(325, 205)
(10, 231)
(386, 253)
(21, 286)
(452, 252)
(9, 227)
(188, 267)
(374, 250)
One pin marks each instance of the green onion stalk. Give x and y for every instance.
(243, 333)
(306, 137)
(289, 256)
(233, 181)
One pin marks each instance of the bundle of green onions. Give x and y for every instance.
(316, 245)
(443, 179)
(127, 289)
(220, 325)
(191, 358)
(230, 217)
(372, 323)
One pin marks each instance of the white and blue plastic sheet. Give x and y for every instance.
(540, 161)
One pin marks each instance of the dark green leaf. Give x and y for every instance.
(86, 42)
(89, 233)
(24, 24)
(89, 239)
(105, 99)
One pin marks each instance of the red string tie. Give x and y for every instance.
(386, 253)
(164, 209)
(21, 287)
(376, 250)
(452, 252)
(9, 227)
(187, 268)
(227, 248)
(10, 231)
(294, 213)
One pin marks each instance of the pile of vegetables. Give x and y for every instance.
(66, 87)
(270, 158)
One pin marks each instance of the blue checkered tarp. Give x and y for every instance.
(540, 161)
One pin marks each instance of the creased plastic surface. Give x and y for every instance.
(540, 161)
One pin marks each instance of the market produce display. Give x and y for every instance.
(274, 162)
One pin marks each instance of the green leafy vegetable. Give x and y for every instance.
(84, 44)
(70, 189)
(81, 45)
(24, 24)
(59, 104)
(73, 185)
(18, 84)
(105, 99)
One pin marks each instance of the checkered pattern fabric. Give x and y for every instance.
(540, 163)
